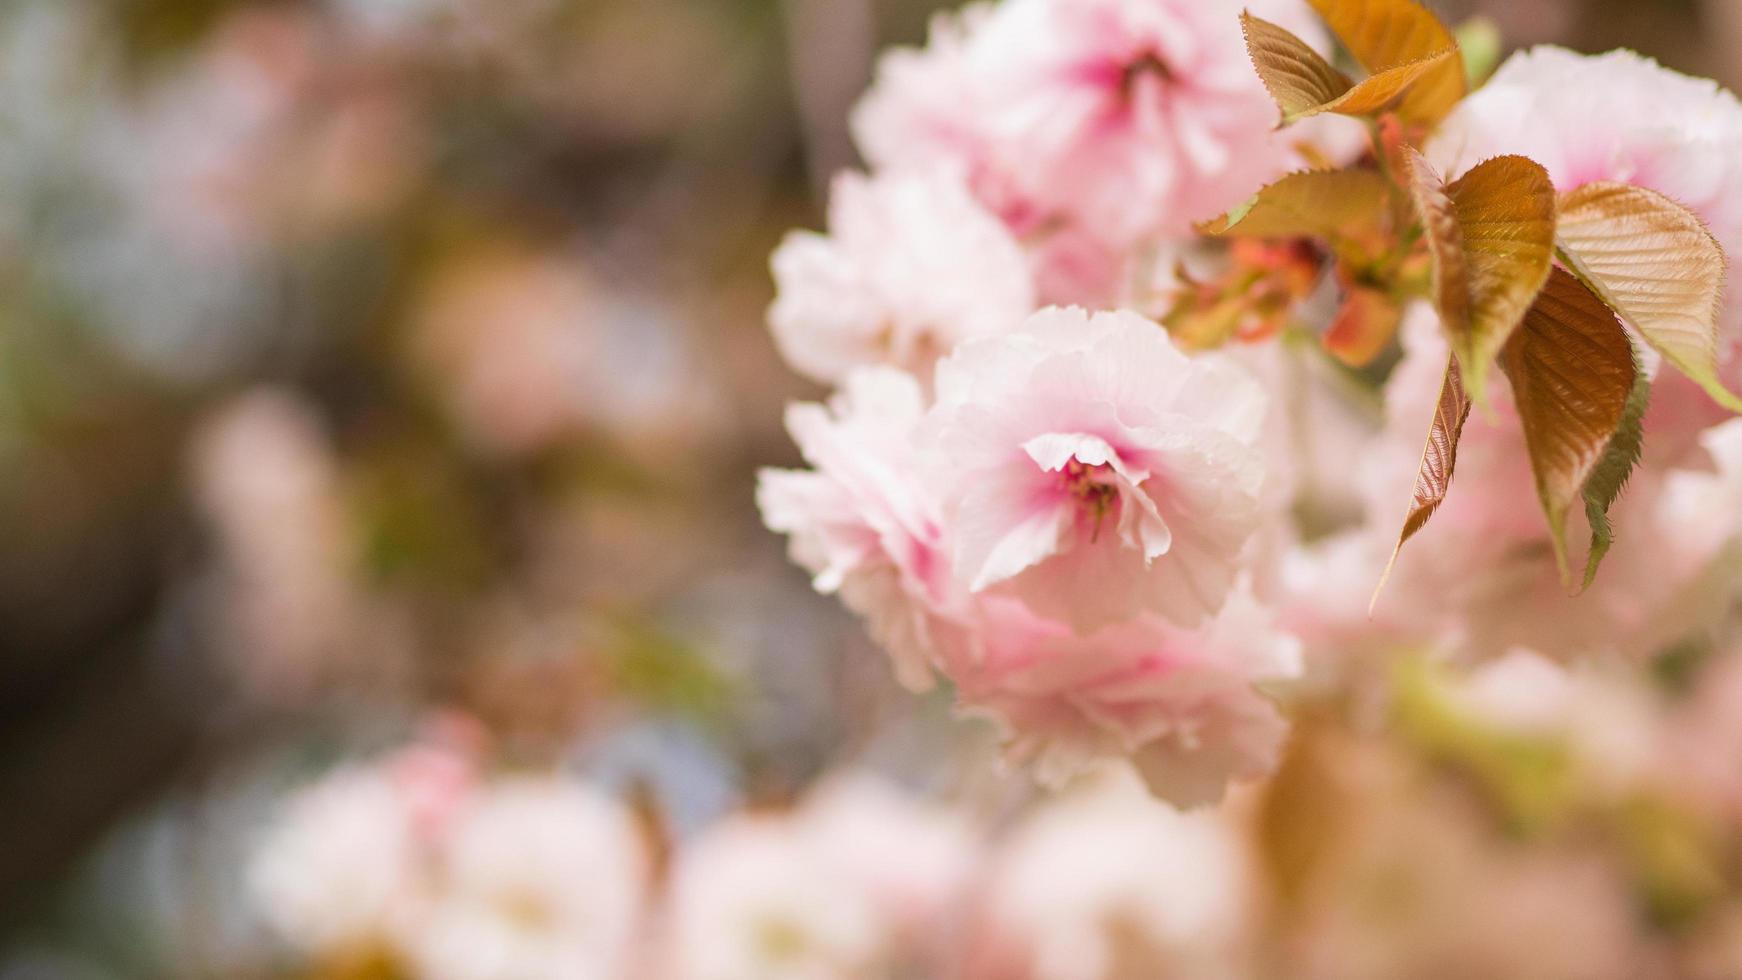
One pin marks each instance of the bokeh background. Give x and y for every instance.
(368, 365)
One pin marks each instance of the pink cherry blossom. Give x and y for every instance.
(1109, 122)
(1128, 116)
(1094, 471)
(912, 266)
(863, 522)
(915, 861)
(1180, 704)
(1056, 535)
(267, 479)
(921, 111)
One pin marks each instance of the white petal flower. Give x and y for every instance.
(856, 879)
(1112, 884)
(339, 873)
(543, 878)
(749, 900)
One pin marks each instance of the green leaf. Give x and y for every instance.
(1573, 375)
(1304, 84)
(1328, 204)
(1439, 459)
(1491, 236)
(1387, 34)
(1655, 263)
(1610, 476)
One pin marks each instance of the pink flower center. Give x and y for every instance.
(1147, 66)
(1094, 486)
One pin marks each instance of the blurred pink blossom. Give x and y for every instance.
(749, 899)
(1109, 883)
(540, 877)
(510, 334)
(340, 872)
(911, 267)
(858, 880)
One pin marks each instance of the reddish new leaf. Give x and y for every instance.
(1657, 265)
(1304, 84)
(1573, 373)
(1387, 34)
(1439, 458)
(1491, 236)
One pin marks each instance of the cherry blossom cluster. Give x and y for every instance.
(1058, 530)
(1052, 509)
(1086, 522)
(420, 864)
(1560, 802)
(415, 864)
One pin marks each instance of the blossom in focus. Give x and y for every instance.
(853, 882)
(1128, 116)
(1105, 121)
(1112, 884)
(1095, 472)
(1182, 705)
(538, 878)
(912, 266)
(340, 872)
(863, 522)
(1058, 535)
